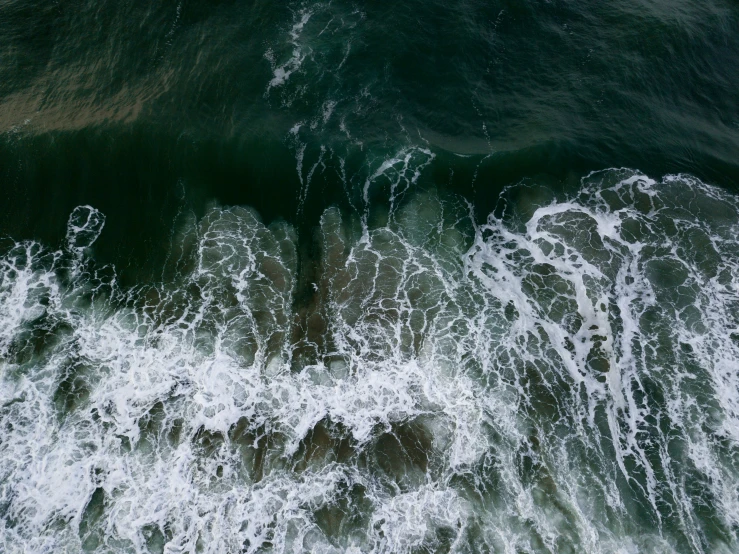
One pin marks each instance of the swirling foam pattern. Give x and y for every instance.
(563, 378)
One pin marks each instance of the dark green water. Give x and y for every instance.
(369, 277)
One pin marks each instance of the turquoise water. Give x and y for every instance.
(366, 277)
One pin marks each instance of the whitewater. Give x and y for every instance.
(562, 377)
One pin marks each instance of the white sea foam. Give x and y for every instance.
(562, 378)
(281, 73)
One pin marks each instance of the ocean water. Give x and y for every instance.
(369, 277)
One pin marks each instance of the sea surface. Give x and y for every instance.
(369, 277)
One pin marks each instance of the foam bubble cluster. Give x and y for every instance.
(562, 378)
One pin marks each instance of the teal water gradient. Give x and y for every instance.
(369, 277)
(122, 106)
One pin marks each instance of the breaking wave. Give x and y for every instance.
(561, 378)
